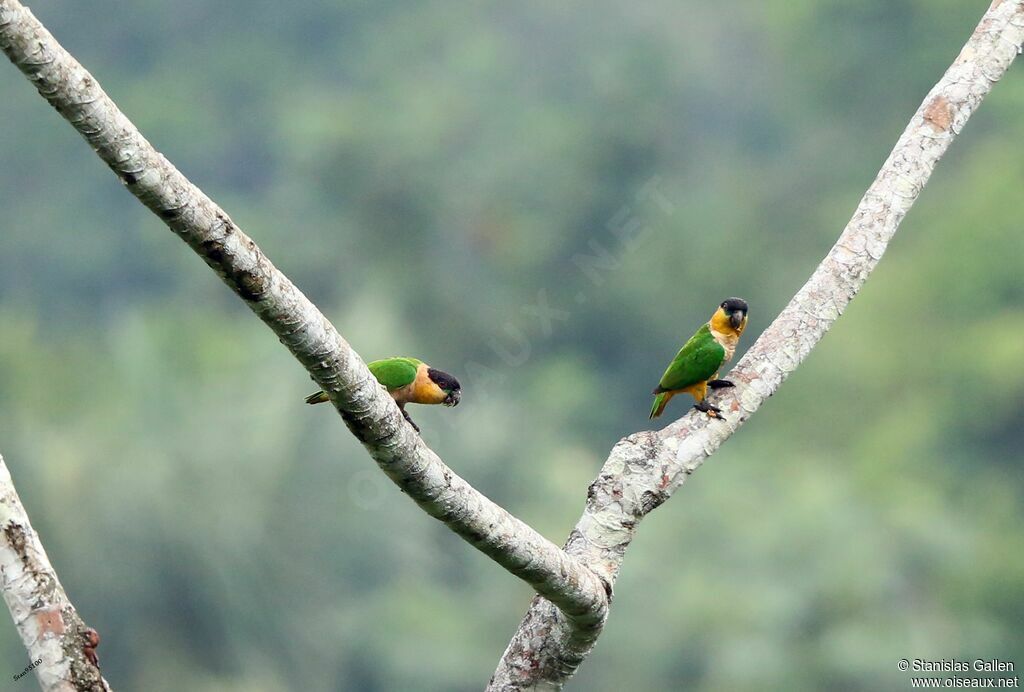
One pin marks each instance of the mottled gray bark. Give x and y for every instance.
(369, 412)
(61, 649)
(643, 470)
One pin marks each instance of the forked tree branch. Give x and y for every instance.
(370, 413)
(643, 470)
(61, 649)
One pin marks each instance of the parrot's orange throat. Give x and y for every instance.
(720, 323)
(724, 333)
(425, 390)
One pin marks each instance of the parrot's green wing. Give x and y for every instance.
(394, 373)
(698, 360)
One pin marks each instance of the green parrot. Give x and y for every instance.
(409, 381)
(695, 367)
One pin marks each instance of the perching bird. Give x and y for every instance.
(409, 381)
(696, 366)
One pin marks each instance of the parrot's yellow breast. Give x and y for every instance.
(424, 390)
(724, 333)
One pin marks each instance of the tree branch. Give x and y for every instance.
(61, 648)
(367, 409)
(645, 469)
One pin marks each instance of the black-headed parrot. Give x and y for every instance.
(409, 381)
(696, 366)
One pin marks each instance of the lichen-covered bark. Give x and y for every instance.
(60, 646)
(644, 469)
(369, 412)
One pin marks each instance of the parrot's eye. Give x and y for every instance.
(722, 306)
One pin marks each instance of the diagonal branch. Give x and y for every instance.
(369, 412)
(643, 470)
(61, 648)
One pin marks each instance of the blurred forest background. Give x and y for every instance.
(424, 171)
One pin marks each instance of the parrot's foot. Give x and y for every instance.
(720, 384)
(408, 418)
(712, 411)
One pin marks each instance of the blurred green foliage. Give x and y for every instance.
(424, 171)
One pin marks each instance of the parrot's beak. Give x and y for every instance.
(453, 397)
(737, 318)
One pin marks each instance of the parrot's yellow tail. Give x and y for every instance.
(660, 401)
(318, 398)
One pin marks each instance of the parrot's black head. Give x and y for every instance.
(449, 384)
(736, 310)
